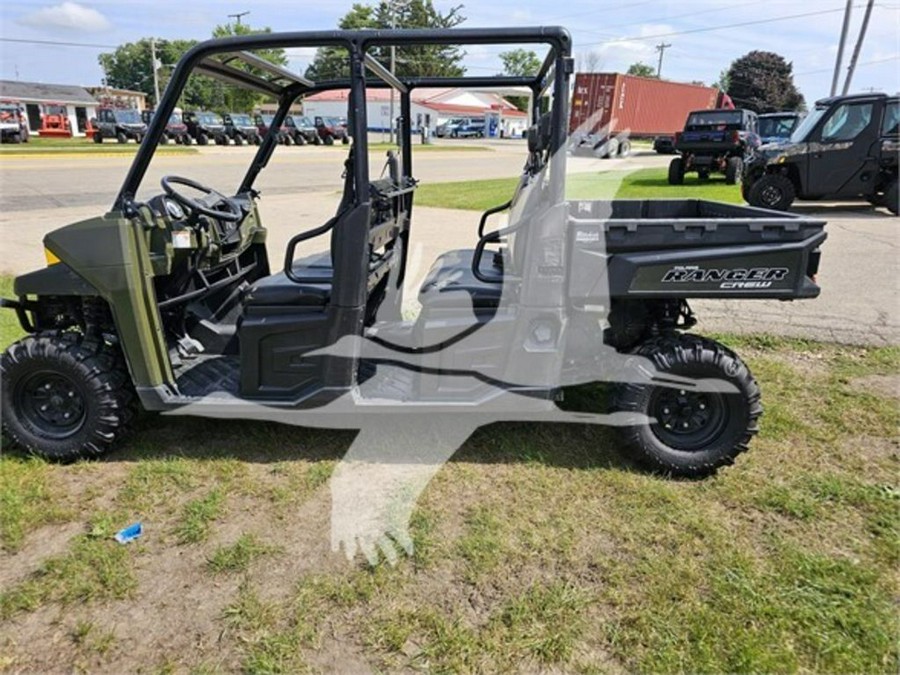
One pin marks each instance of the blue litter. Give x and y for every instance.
(130, 533)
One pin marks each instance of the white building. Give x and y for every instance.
(33, 96)
(429, 108)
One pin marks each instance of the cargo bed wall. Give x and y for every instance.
(689, 249)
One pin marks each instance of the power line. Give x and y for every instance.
(707, 29)
(895, 57)
(56, 43)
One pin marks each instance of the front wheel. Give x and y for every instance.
(692, 431)
(624, 148)
(238, 139)
(121, 138)
(772, 191)
(345, 140)
(65, 396)
(329, 140)
(202, 139)
(676, 171)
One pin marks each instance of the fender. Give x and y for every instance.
(57, 279)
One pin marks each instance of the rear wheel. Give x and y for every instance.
(202, 139)
(98, 137)
(691, 433)
(65, 396)
(891, 198)
(733, 170)
(772, 191)
(676, 171)
(624, 148)
(163, 140)
(329, 140)
(300, 139)
(238, 139)
(345, 140)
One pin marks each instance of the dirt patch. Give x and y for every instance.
(43, 543)
(880, 385)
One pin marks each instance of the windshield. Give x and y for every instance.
(717, 119)
(128, 116)
(175, 118)
(267, 119)
(777, 127)
(209, 118)
(241, 120)
(808, 124)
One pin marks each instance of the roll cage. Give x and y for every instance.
(219, 59)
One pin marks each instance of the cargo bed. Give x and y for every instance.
(690, 249)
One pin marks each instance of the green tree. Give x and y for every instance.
(237, 99)
(723, 81)
(641, 69)
(434, 60)
(520, 62)
(763, 82)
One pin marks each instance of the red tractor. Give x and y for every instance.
(55, 121)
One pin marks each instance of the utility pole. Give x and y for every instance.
(661, 48)
(237, 17)
(858, 47)
(154, 64)
(840, 53)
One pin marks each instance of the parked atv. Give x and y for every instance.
(714, 141)
(777, 127)
(123, 124)
(330, 129)
(176, 129)
(13, 124)
(845, 148)
(204, 126)
(177, 301)
(301, 130)
(241, 129)
(264, 123)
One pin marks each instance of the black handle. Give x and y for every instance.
(292, 245)
(490, 212)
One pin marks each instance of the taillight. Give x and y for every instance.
(677, 136)
(735, 136)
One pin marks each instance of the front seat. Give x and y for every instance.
(277, 289)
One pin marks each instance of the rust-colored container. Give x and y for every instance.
(644, 106)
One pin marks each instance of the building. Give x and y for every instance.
(119, 98)
(80, 106)
(429, 108)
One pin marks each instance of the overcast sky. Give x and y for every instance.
(619, 32)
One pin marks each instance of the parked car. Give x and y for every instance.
(123, 124)
(448, 128)
(846, 147)
(471, 129)
(204, 125)
(777, 127)
(331, 129)
(241, 129)
(301, 129)
(714, 140)
(176, 129)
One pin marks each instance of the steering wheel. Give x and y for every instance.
(205, 205)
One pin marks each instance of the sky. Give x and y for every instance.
(705, 35)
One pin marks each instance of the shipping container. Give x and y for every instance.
(643, 106)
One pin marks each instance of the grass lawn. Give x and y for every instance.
(80, 146)
(479, 195)
(538, 548)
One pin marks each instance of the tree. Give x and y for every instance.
(238, 99)
(128, 67)
(763, 82)
(433, 60)
(641, 69)
(520, 62)
(723, 81)
(589, 62)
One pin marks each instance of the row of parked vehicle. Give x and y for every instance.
(205, 127)
(846, 147)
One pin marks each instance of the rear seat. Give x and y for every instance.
(450, 281)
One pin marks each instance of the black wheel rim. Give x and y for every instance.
(687, 420)
(771, 195)
(52, 403)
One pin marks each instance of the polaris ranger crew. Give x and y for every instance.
(174, 300)
(714, 141)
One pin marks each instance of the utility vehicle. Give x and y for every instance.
(331, 129)
(301, 129)
(845, 148)
(204, 126)
(123, 124)
(241, 129)
(173, 302)
(13, 125)
(714, 140)
(176, 129)
(777, 127)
